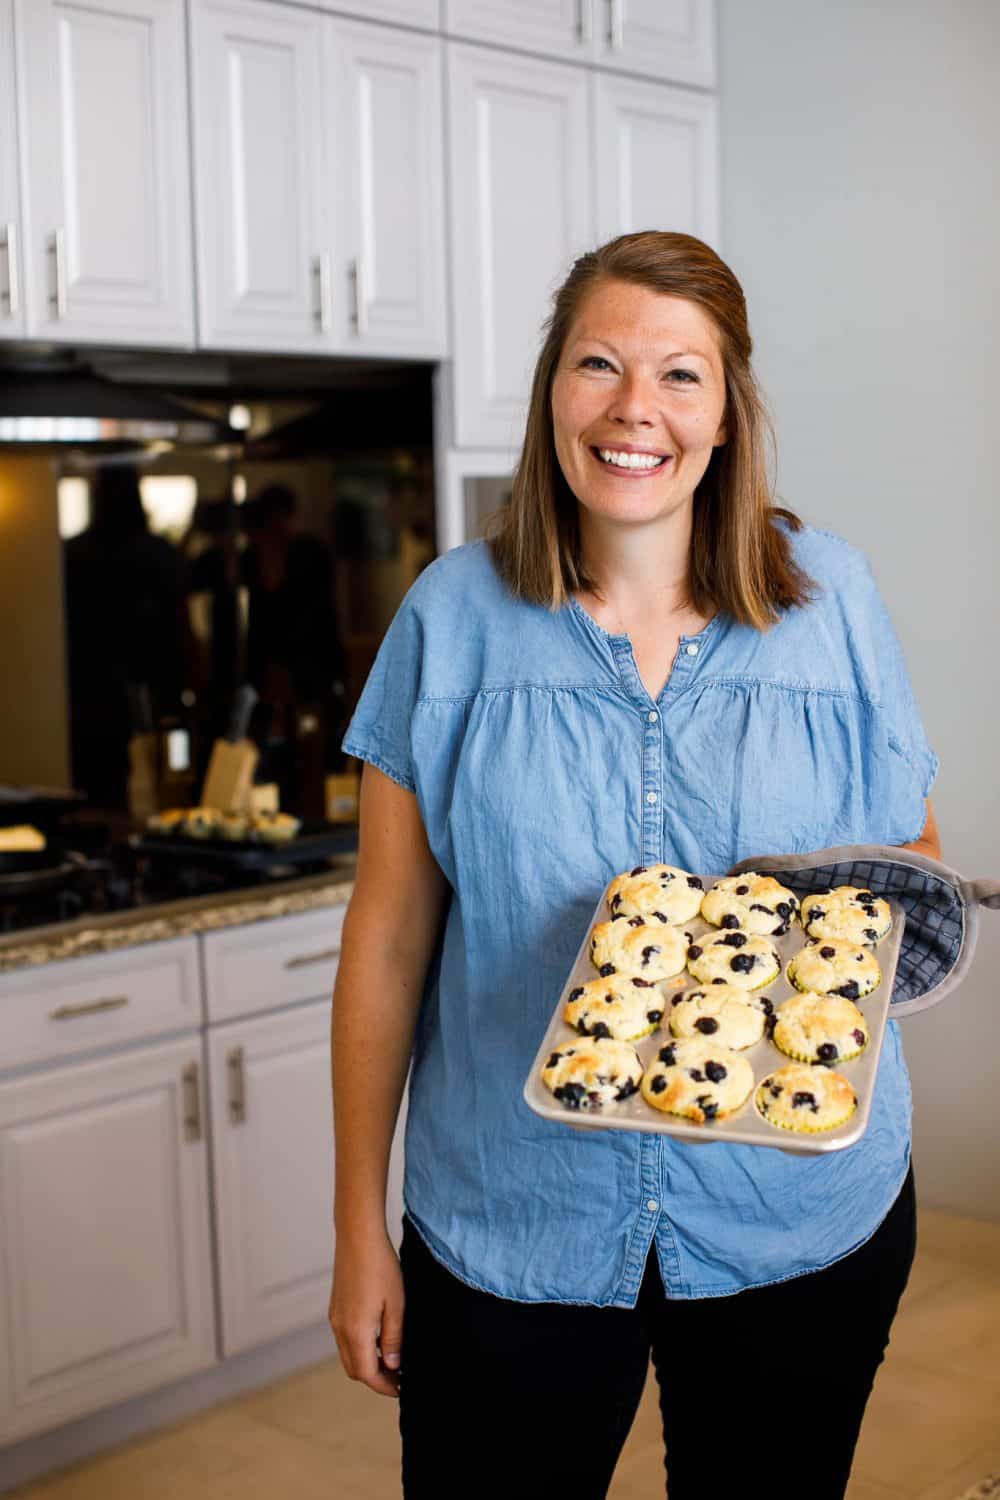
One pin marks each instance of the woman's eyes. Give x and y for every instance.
(674, 377)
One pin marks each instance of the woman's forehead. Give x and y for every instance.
(620, 313)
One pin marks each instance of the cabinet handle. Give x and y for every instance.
(192, 1102)
(10, 240)
(59, 297)
(324, 311)
(616, 30)
(360, 297)
(237, 1086)
(87, 1008)
(312, 958)
(584, 21)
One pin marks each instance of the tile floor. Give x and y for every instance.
(932, 1431)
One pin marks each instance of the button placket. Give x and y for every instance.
(650, 1168)
(652, 787)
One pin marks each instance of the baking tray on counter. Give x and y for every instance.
(314, 841)
(745, 1126)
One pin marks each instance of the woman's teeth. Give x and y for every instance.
(631, 460)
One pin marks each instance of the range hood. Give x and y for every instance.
(81, 408)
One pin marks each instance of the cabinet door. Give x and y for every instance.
(107, 186)
(520, 197)
(668, 39)
(105, 1262)
(386, 104)
(656, 158)
(11, 282)
(423, 13)
(559, 28)
(264, 249)
(273, 1163)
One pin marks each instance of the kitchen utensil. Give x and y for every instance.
(233, 759)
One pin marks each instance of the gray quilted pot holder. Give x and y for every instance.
(942, 909)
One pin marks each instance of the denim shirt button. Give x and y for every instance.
(651, 797)
(692, 649)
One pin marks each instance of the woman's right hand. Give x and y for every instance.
(366, 1311)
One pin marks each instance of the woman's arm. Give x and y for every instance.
(390, 930)
(928, 842)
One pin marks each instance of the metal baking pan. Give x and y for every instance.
(745, 1127)
(314, 841)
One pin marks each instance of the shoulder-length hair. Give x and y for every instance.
(740, 561)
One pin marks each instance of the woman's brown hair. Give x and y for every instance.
(740, 561)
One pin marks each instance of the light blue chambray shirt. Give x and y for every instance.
(542, 768)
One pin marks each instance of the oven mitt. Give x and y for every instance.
(942, 909)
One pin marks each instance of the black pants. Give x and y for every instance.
(761, 1392)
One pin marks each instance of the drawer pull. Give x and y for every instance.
(237, 1087)
(192, 1102)
(583, 21)
(13, 300)
(87, 1008)
(616, 31)
(324, 309)
(59, 298)
(312, 958)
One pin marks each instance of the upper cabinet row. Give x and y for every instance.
(255, 175)
(316, 145)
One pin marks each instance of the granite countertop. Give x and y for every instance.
(113, 931)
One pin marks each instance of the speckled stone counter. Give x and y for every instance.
(154, 924)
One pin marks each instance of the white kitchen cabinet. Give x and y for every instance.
(103, 101)
(520, 213)
(272, 1131)
(656, 159)
(557, 28)
(423, 13)
(11, 238)
(262, 213)
(105, 1262)
(672, 40)
(384, 93)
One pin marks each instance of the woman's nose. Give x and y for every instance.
(634, 401)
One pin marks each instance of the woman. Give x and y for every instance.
(648, 663)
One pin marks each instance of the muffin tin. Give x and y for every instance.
(745, 1127)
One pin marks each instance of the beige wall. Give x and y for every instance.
(33, 726)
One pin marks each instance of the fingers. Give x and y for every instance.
(373, 1355)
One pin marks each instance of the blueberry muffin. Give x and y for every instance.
(820, 1029)
(803, 1098)
(834, 968)
(729, 1015)
(201, 822)
(624, 1007)
(274, 827)
(587, 1074)
(233, 826)
(697, 1079)
(753, 903)
(628, 945)
(744, 959)
(170, 820)
(660, 893)
(847, 912)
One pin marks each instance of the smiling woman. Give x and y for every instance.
(650, 663)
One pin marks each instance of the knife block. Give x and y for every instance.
(230, 775)
(143, 788)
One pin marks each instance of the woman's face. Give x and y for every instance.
(638, 399)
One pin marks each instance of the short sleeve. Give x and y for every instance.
(913, 765)
(379, 731)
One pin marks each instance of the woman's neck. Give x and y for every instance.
(639, 572)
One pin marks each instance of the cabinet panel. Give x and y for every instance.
(105, 1275)
(667, 39)
(271, 963)
(423, 13)
(78, 1005)
(560, 28)
(520, 195)
(656, 159)
(11, 238)
(273, 1166)
(263, 232)
(389, 171)
(107, 202)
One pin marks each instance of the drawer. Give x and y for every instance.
(82, 1004)
(271, 963)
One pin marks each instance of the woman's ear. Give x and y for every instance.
(721, 436)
